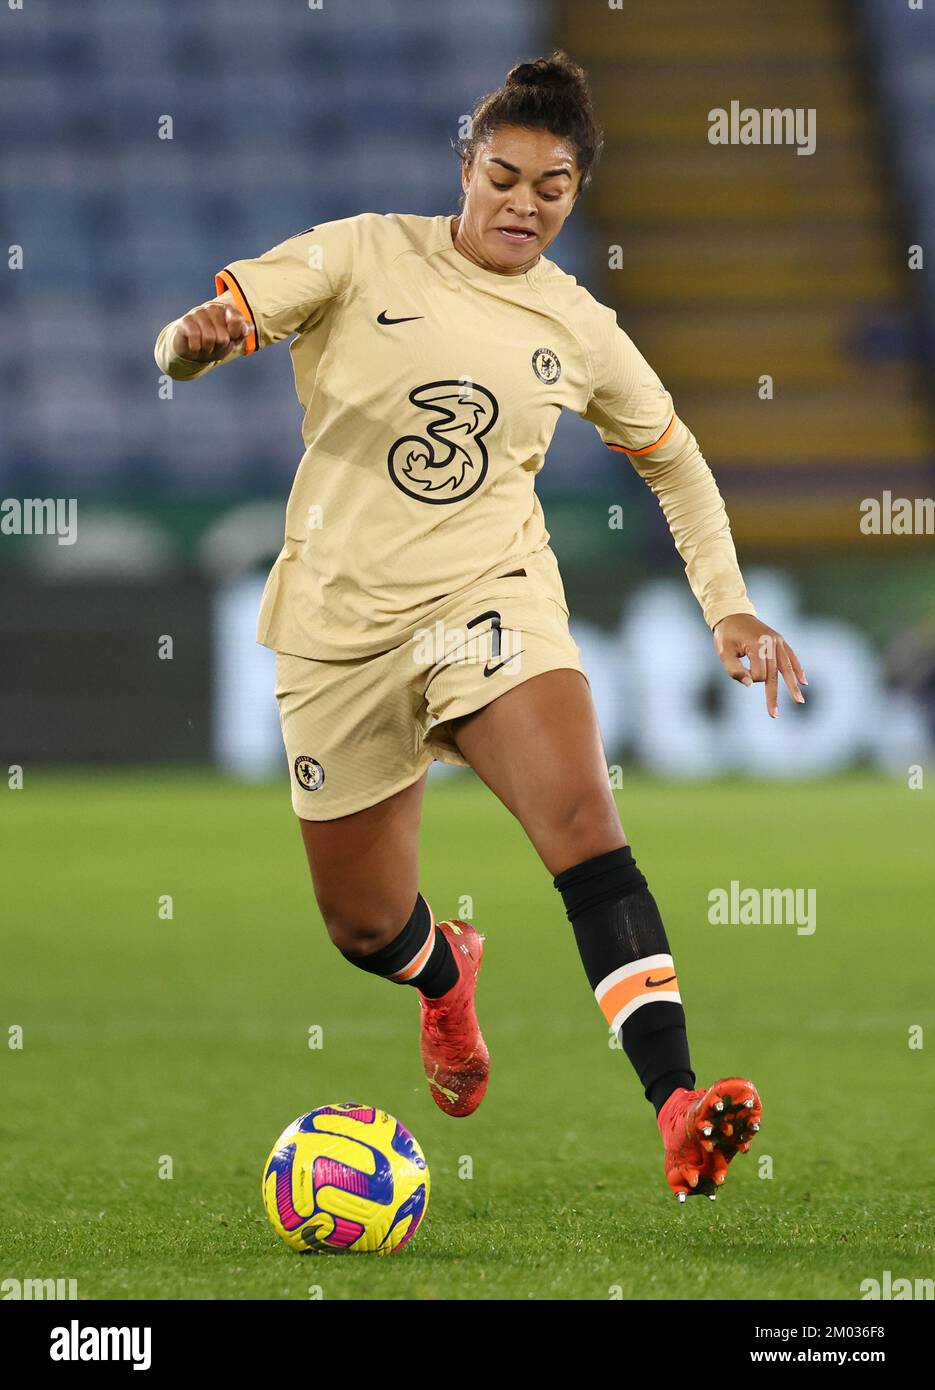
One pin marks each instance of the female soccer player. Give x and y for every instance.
(416, 608)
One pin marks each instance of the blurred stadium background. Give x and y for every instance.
(736, 262)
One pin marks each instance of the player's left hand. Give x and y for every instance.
(741, 635)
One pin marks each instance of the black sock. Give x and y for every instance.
(419, 955)
(629, 966)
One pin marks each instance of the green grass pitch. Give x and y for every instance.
(189, 1038)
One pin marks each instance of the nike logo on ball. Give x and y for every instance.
(381, 318)
(649, 983)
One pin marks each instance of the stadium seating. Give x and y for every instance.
(746, 262)
(735, 264)
(282, 115)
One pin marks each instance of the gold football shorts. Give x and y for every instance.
(357, 731)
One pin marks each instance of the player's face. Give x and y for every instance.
(518, 191)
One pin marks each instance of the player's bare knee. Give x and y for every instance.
(360, 931)
(586, 818)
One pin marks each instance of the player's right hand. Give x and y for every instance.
(210, 333)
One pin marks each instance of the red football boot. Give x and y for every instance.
(702, 1130)
(454, 1054)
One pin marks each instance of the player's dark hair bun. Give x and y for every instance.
(550, 94)
(559, 70)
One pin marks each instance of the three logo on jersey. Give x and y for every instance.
(449, 461)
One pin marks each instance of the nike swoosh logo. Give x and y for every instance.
(649, 983)
(381, 318)
(492, 670)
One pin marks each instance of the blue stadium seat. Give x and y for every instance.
(283, 116)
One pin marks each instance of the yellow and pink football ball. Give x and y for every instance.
(349, 1179)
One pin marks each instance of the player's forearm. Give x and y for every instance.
(688, 494)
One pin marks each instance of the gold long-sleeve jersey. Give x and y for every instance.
(430, 388)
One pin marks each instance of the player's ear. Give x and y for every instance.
(465, 174)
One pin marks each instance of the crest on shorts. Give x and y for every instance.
(309, 773)
(546, 365)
